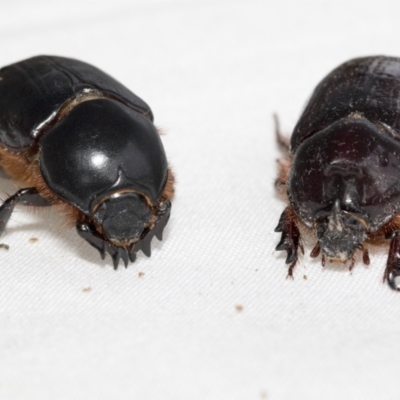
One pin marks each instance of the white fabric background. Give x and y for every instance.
(213, 72)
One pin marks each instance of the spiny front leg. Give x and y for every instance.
(27, 197)
(290, 239)
(392, 270)
(88, 232)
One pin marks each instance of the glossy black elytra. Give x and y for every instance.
(78, 139)
(342, 173)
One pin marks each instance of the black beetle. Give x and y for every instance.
(342, 173)
(78, 139)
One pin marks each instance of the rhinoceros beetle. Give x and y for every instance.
(77, 139)
(341, 176)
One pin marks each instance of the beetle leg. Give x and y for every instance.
(315, 251)
(88, 232)
(27, 197)
(290, 270)
(290, 239)
(144, 243)
(353, 261)
(163, 217)
(366, 259)
(392, 270)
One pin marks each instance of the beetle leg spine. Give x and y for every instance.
(290, 238)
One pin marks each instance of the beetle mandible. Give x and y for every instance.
(342, 173)
(76, 138)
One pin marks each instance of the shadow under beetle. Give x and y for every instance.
(342, 173)
(79, 140)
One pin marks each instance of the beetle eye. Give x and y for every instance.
(163, 207)
(101, 212)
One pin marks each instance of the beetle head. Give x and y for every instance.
(123, 224)
(123, 218)
(339, 233)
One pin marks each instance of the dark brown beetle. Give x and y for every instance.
(342, 173)
(77, 139)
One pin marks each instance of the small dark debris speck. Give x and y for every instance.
(4, 246)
